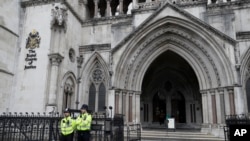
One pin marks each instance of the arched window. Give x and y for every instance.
(92, 95)
(248, 94)
(68, 100)
(97, 92)
(101, 98)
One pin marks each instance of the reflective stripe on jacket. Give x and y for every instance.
(67, 125)
(83, 122)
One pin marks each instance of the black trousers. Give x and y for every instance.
(83, 135)
(67, 137)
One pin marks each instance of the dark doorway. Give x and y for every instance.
(178, 107)
(167, 82)
(159, 108)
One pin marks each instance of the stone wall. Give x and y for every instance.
(9, 34)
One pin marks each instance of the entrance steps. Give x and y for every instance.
(175, 135)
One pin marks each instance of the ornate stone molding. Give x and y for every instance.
(170, 39)
(28, 3)
(59, 16)
(97, 74)
(55, 59)
(108, 20)
(94, 47)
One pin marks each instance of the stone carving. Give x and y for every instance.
(33, 40)
(59, 16)
(97, 74)
(68, 89)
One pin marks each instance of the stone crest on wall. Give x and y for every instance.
(59, 16)
(33, 41)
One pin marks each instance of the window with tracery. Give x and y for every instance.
(97, 90)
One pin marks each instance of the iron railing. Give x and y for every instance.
(46, 127)
(133, 132)
(235, 120)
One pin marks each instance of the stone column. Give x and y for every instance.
(124, 105)
(79, 66)
(213, 107)
(218, 107)
(227, 103)
(108, 9)
(96, 8)
(117, 102)
(127, 106)
(130, 107)
(222, 104)
(121, 7)
(231, 100)
(210, 109)
(137, 107)
(120, 102)
(204, 107)
(55, 60)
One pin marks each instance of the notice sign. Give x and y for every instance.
(171, 123)
(239, 132)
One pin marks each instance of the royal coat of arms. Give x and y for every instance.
(33, 40)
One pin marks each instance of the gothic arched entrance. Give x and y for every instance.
(170, 87)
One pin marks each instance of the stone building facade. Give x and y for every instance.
(188, 59)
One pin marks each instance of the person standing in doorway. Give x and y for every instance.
(67, 126)
(83, 124)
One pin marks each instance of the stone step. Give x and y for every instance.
(164, 135)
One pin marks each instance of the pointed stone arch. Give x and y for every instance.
(95, 62)
(68, 82)
(190, 40)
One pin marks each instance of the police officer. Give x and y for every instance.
(67, 126)
(83, 124)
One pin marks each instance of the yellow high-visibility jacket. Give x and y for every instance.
(68, 125)
(83, 122)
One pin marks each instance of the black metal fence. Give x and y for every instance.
(19, 127)
(235, 120)
(46, 127)
(133, 132)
